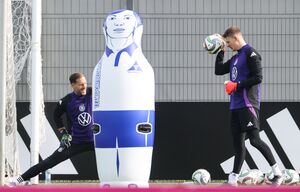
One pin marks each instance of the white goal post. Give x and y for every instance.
(2, 87)
(20, 34)
(36, 87)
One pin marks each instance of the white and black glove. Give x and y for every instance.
(65, 141)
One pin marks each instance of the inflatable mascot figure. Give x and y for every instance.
(123, 104)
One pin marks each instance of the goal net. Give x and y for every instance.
(18, 56)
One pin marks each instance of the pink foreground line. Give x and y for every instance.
(86, 188)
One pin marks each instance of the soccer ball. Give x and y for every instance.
(201, 176)
(260, 177)
(213, 43)
(290, 177)
(251, 177)
(247, 177)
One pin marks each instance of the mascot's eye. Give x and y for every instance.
(112, 18)
(127, 18)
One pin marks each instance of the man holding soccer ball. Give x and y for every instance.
(244, 89)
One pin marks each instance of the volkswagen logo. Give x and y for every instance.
(84, 119)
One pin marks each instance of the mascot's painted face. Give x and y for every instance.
(120, 24)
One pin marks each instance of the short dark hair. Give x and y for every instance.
(231, 31)
(73, 78)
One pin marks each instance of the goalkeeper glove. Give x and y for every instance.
(66, 140)
(230, 87)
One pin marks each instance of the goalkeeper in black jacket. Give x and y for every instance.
(79, 137)
(245, 71)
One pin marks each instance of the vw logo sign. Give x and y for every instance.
(84, 119)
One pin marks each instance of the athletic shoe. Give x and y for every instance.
(11, 184)
(14, 182)
(230, 184)
(276, 180)
(232, 179)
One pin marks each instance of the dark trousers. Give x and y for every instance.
(57, 157)
(245, 124)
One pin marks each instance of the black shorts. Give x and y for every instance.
(244, 119)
